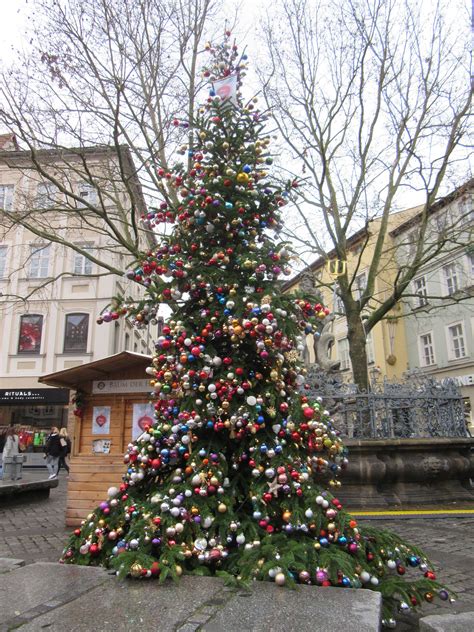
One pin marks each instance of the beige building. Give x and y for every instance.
(386, 343)
(50, 294)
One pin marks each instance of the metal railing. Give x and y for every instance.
(419, 408)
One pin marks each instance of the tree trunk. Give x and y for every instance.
(357, 350)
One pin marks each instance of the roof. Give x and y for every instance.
(61, 152)
(97, 370)
(414, 213)
(436, 206)
(320, 262)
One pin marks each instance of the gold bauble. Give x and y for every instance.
(221, 508)
(136, 569)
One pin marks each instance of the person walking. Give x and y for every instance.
(10, 448)
(65, 442)
(52, 450)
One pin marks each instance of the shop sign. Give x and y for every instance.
(464, 380)
(120, 386)
(26, 396)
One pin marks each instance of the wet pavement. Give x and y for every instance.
(35, 532)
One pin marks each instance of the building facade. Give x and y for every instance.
(51, 295)
(439, 314)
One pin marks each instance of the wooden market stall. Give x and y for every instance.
(109, 406)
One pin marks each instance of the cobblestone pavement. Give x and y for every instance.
(35, 532)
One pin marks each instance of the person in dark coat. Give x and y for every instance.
(65, 449)
(52, 450)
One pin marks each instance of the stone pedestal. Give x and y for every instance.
(388, 472)
(81, 599)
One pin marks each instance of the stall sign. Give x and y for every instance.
(120, 386)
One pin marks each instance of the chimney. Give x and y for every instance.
(8, 142)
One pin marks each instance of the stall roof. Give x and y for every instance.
(97, 370)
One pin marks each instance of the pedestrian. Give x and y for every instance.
(52, 450)
(65, 442)
(10, 448)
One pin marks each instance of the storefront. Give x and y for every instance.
(32, 411)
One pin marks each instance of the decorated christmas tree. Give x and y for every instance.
(231, 479)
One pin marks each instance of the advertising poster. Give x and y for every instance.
(101, 420)
(143, 415)
(101, 446)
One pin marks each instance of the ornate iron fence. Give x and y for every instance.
(418, 407)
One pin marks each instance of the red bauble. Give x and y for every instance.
(308, 412)
(94, 549)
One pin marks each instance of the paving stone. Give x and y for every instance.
(122, 606)
(27, 588)
(462, 622)
(267, 608)
(10, 564)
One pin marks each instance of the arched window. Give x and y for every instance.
(75, 333)
(31, 330)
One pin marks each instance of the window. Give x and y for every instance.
(441, 220)
(339, 305)
(116, 337)
(369, 346)
(75, 336)
(360, 283)
(420, 291)
(3, 261)
(451, 278)
(46, 195)
(160, 323)
(83, 265)
(470, 268)
(87, 192)
(427, 357)
(31, 328)
(6, 197)
(466, 209)
(127, 342)
(456, 345)
(343, 354)
(39, 261)
(411, 243)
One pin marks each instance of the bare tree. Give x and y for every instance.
(374, 99)
(109, 77)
